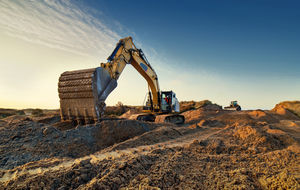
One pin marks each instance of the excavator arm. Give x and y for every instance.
(127, 53)
(83, 92)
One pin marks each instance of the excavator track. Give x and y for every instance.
(148, 117)
(170, 118)
(163, 118)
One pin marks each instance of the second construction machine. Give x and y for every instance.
(234, 106)
(83, 93)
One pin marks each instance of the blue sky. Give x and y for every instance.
(219, 50)
(248, 43)
(220, 36)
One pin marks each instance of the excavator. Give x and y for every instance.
(83, 93)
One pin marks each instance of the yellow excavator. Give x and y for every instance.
(83, 93)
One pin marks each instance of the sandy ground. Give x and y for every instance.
(214, 149)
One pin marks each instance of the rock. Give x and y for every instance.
(194, 126)
(49, 129)
(84, 177)
(62, 188)
(117, 180)
(85, 163)
(181, 177)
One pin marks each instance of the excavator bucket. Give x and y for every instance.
(83, 93)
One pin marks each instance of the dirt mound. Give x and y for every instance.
(257, 114)
(190, 105)
(234, 118)
(263, 116)
(256, 117)
(9, 112)
(27, 141)
(48, 119)
(111, 132)
(247, 139)
(202, 113)
(129, 113)
(263, 139)
(2, 123)
(292, 106)
(210, 123)
(16, 119)
(235, 157)
(288, 110)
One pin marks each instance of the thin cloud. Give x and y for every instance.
(57, 24)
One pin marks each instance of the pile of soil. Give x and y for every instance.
(215, 149)
(129, 113)
(288, 106)
(24, 140)
(203, 112)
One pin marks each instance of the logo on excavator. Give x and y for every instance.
(144, 66)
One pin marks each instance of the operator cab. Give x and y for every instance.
(169, 102)
(234, 103)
